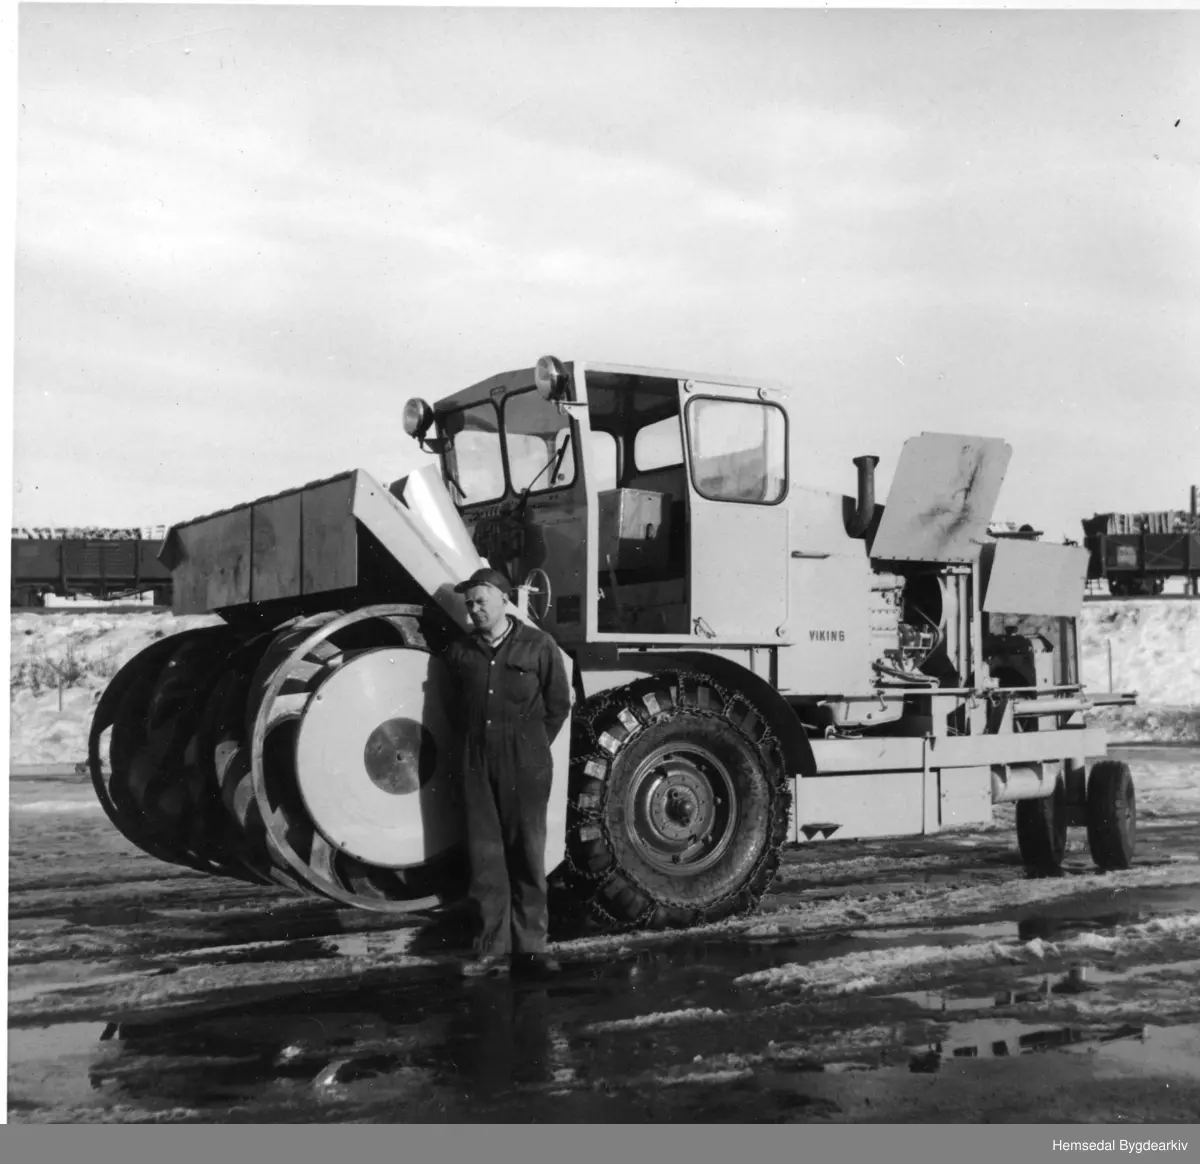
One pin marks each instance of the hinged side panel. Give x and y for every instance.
(1021, 577)
(942, 497)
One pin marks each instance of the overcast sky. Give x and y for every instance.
(245, 236)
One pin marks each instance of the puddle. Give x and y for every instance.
(302, 950)
(119, 914)
(1186, 970)
(34, 1044)
(1160, 1050)
(933, 1000)
(944, 933)
(997, 1038)
(1106, 910)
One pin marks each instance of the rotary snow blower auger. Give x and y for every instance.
(755, 662)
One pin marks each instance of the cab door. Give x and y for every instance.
(735, 442)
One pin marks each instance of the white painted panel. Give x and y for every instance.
(739, 560)
(1033, 578)
(827, 645)
(871, 754)
(876, 804)
(556, 812)
(966, 796)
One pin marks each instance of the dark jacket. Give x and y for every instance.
(520, 693)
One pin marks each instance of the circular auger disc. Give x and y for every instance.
(373, 759)
(351, 761)
(225, 752)
(123, 712)
(165, 781)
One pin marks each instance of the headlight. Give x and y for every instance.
(418, 417)
(550, 378)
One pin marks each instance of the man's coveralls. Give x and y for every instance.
(512, 702)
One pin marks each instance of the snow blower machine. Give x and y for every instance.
(756, 662)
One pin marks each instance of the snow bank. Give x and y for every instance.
(1155, 651)
(85, 649)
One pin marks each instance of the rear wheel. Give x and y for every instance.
(678, 803)
(1042, 830)
(1111, 815)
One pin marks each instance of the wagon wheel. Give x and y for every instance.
(351, 761)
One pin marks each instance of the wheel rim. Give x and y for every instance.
(681, 805)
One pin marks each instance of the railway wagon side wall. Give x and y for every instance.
(64, 566)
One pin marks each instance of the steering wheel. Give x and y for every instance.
(537, 587)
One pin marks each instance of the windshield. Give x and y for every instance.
(472, 463)
(537, 440)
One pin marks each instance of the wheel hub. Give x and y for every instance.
(680, 803)
(400, 756)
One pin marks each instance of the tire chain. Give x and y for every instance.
(587, 748)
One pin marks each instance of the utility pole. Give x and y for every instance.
(1193, 565)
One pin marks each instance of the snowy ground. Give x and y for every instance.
(1155, 651)
(927, 979)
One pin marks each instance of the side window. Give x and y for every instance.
(658, 445)
(738, 450)
(604, 459)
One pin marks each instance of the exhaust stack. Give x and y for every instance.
(865, 509)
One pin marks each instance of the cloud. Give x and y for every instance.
(263, 246)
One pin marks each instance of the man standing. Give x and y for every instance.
(513, 699)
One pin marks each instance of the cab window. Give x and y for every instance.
(658, 445)
(472, 463)
(738, 450)
(537, 440)
(604, 459)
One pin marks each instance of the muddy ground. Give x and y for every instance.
(920, 980)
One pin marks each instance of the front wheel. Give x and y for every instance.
(678, 803)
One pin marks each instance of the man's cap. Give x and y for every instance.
(485, 577)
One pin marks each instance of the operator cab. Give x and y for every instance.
(612, 485)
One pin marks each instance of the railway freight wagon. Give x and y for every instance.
(68, 563)
(1136, 553)
(756, 661)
